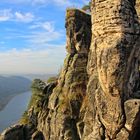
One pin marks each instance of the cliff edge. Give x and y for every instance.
(97, 93)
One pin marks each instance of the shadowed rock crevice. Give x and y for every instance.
(135, 134)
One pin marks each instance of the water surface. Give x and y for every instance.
(14, 110)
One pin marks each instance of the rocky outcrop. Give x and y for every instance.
(65, 101)
(21, 132)
(114, 57)
(138, 8)
(13, 133)
(55, 112)
(97, 94)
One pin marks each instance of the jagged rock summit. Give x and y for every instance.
(97, 94)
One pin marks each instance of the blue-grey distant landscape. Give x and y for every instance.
(11, 86)
(13, 111)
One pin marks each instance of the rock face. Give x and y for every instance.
(16, 132)
(114, 56)
(138, 8)
(97, 94)
(59, 113)
(66, 99)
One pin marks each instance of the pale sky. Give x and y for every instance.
(32, 35)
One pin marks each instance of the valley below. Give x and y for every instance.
(13, 111)
(10, 86)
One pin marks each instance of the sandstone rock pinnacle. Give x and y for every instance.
(97, 94)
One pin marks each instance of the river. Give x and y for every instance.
(14, 110)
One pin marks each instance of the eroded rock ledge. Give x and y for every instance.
(97, 94)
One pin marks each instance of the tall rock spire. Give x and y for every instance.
(66, 100)
(115, 57)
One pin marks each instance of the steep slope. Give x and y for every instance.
(59, 110)
(66, 99)
(115, 58)
(97, 94)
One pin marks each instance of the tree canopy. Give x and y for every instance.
(87, 7)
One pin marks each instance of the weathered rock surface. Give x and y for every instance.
(66, 99)
(114, 56)
(59, 114)
(138, 8)
(15, 132)
(97, 94)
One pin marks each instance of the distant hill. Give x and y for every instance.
(11, 86)
(38, 76)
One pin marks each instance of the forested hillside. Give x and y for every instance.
(11, 86)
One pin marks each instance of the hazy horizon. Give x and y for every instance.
(30, 73)
(32, 39)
